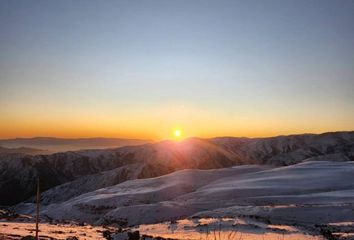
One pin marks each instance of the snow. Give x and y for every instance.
(309, 193)
(14, 230)
(223, 228)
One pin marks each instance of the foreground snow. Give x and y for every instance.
(312, 197)
(306, 193)
(224, 228)
(196, 229)
(16, 230)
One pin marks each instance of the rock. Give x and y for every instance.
(28, 237)
(134, 235)
(120, 236)
(72, 238)
(107, 234)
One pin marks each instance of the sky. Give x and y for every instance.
(144, 69)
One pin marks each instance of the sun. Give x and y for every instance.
(177, 133)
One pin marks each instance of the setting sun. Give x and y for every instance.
(177, 133)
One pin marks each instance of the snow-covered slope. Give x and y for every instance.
(90, 183)
(314, 192)
(286, 150)
(19, 174)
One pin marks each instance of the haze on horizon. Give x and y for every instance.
(146, 69)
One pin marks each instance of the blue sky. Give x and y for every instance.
(231, 67)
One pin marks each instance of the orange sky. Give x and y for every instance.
(160, 123)
(208, 68)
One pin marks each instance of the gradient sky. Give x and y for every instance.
(144, 68)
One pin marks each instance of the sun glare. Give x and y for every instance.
(177, 133)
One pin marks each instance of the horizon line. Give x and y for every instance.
(166, 139)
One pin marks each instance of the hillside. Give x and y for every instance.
(247, 202)
(310, 186)
(112, 166)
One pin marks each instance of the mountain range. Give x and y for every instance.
(66, 175)
(53, 145)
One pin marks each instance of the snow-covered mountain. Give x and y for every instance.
(315, 192)
(286, 150)
(75, 173)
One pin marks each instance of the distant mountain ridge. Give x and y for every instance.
(53, 144)
(66, 175)
(21, 150)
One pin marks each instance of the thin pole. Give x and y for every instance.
(37, 210)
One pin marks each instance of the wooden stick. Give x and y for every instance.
(37, 210)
